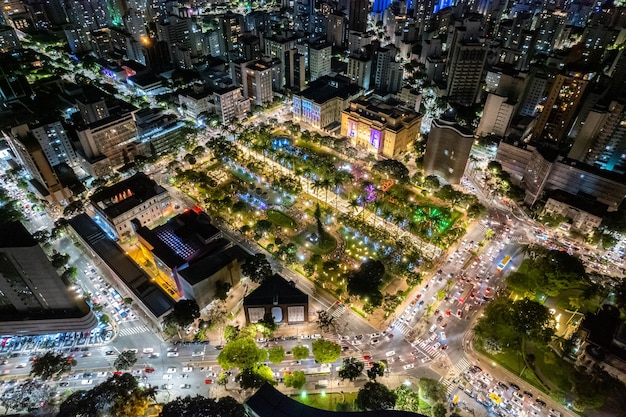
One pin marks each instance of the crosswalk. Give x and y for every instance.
(461, 366)
(338, 311)
(448, 384)
(428, 348)
(133, 330)
(404, 329)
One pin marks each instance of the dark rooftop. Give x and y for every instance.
(151, 295)
(15, 235)
(125, 195)
(275, 289)
(182, 239)
(326, 88)
(209, 265)
(581, 202)
(269, 402)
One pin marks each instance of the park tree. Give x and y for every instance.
(432, 390)
(351, 369)
(254, 377)
(325, 321)
(366, 281)
(300, 352)
(407, 399)
(269, 325)
(231, 332)
(533, 320)
(125, 360)
(276, 354)
(59, 260)
(119, 396)
(296, 379)
(439, 410)
(27, 396)
(184, 313)
(375, 396)
(222, 379)
(325, 351)
(257, 268)
(394, 169)
(51, 365)
(201, 406)
(377, 369)
(242, 353)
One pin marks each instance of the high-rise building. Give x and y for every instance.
(33, 158)
(258, 79)
(320, 55)
(466, 62)
(359, 10)
(497, 115)
(55, 143)
(230, 104)
(8, 39)
(337, 29)
(231, 28)
(559, 109)
(360, 69)
(34, 300)
(448, 148)
(602, 139)
(386, 72)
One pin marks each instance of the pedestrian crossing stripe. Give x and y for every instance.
(448, 384)
(133, 330)
(338, 311)
(462, 365)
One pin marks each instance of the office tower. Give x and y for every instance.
(559, 109)
(32, 157)
(386, 72)
(466, 61)
(497, 115)
(34, 300)
(8, 39)
(258, 79)
(358, 41)
(602, 139)
(448, 148)
(230, 104)
(319, 60)
(250, 47)
(88, 15)
(359, 9)
(55, 143)
(548, 28)
(277, 45)
(92, 105)
(360, 69)
(296, 70)
(337, 29)
(231, 28)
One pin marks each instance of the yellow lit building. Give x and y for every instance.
(382, 127)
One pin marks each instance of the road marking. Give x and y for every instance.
(462, 366)
(133, 330)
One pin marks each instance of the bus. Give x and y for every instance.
(504, 263)
(466, 293)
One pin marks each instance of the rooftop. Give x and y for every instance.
(188, 236)
(127, 194)
(585, 203)
(326, 88)
(135, 279)
(204, 268)
(275, 289)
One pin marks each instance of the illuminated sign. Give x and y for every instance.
(375, 137)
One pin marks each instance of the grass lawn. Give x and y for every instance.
(281, 219)
(321, 247)
(330, 401)
(560, 372)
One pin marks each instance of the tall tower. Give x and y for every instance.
(466, 62)
(358, 15)
(560, 107)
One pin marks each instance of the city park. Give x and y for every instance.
(323, 212)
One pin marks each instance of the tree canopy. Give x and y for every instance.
(375, 396)
(366, 281)
(351, 369)
(257, 268)
(184, 313)
(125, 360)
(325, 351)
(51, 365)
(296, 379)
(199, 406)
(300, 352)
(395, 169)
(242, 353)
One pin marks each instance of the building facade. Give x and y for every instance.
(448, 148)
(385, 128)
